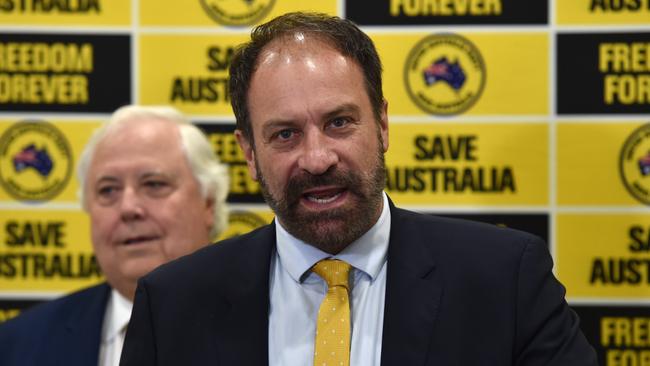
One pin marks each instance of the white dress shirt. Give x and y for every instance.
(116, 318)
(296, 294)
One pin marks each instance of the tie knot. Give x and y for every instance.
(334, 272)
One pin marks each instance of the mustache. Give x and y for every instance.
(298, 184)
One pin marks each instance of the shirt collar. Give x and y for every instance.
(368, 253)
(118, 313)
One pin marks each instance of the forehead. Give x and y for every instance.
(295, 47)
(303, 74)
(142, 142)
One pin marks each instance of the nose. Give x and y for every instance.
(131, 206)
(317, 155)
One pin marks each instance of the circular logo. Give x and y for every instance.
(35, 161)
(444, 74)
(237, 12)
(241, 222)
(634, 164)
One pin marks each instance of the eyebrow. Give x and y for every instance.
(106, 178)
(145, 175)
(343, 109)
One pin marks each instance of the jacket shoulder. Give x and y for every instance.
(467, 231)
(38, 327)
(55, 311)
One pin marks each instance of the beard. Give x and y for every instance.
(333, 230)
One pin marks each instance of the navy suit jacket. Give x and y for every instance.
(62, 332)
(457, 293)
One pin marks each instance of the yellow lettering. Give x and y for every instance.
(625, 332)
(226, 147)
(640, 57)
(41, 88)
(414, 8)
(627, 89)
(42, 57)
(641, 332)
(623, 57)
(240, 182)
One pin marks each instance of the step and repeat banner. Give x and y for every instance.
(531, 115)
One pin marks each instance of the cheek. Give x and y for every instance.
(102, 224)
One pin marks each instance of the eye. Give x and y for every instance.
(155, 184)
(107, 193)
(339, 122)
(285, 134)
(157, 187)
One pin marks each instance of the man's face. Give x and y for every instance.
(318, 149)
(145, 205)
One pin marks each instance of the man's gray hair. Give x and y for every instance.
(210, 173)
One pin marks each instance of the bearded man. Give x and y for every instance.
(342, 276)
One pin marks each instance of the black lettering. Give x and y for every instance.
(219, 59)
(614, 5)
(65, 6)
(640, 239)
(35, 234)
(7, 266)
(47, 266)
(453, 148)
(39, 267)
(508, 180)
(450, 179)
(597, 4)
(420, 152)
(11, 232)
(632, 275)
(437, 149)
(618, 271)
(194, 89)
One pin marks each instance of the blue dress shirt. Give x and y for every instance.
(296, 295)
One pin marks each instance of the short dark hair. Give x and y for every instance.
(342, 34)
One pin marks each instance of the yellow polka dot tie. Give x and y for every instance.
(332, 347)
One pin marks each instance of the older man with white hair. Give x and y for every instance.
(154, 191)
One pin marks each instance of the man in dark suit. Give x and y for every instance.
(154, 191)
(343, 277)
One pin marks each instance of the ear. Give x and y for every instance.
(249, 153)
(210, 211)
(383, 125)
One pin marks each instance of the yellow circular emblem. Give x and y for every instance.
(35, 161)
(444, 74)
(237, 12)
(634, 164)
(242, 222)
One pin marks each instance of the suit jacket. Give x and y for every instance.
(65, 331)
(457, 293)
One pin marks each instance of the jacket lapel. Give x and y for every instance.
(413, 292)
(83, 327)
(242, 328)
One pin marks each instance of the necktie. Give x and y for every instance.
(332, 345)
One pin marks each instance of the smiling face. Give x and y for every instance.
(145, 205)
(318, 149)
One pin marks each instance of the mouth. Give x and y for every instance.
(324, 196)
(139, 240)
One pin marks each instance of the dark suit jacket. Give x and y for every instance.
(457, 293)
(65, 331)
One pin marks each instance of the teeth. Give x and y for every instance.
(323, 199)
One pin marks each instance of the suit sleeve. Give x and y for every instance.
(140, 343)
(548, 331)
